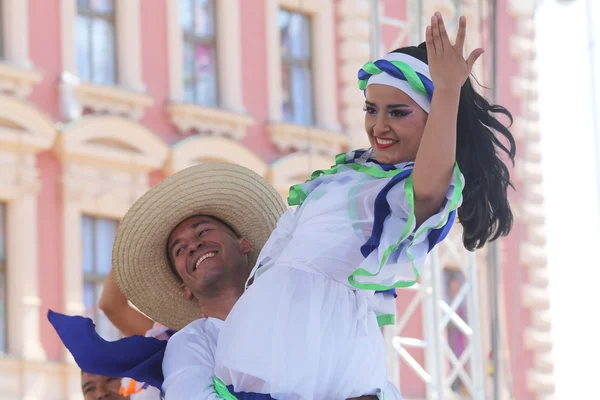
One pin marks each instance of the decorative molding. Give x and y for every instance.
(15, 33)
(114, 141)
(354, 32)
(24, 131)
(322, 15)
(534, 296)
(18, 81)
(23, 127)
(191, 118)
(17, 75)
(229, 54)
(197, 149)
(127, 97)
(102, 99)
(305, 138)
(106, 161)
(295, 168)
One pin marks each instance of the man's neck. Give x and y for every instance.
(220, 306)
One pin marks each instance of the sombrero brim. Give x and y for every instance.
(234, 194)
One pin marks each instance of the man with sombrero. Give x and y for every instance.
(182, 255)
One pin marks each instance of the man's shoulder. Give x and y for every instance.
(193, 347)
(204, 329)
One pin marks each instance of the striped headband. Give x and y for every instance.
(403, 72)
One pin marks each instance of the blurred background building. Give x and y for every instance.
(101, 99)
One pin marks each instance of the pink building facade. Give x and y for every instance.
(101, 99)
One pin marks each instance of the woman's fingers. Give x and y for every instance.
(429, 42)
(475, 54)
(460, 36)
(443, 33)
(435, 31)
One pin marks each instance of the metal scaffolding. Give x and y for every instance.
(445, 369)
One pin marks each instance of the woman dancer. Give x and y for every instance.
(306, 328)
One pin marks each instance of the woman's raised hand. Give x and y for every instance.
(447, 65)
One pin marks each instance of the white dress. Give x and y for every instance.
(189, 363)
(304, 330)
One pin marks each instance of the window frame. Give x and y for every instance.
(212, 42)
(111, 18)
(305, 63)
(324, 59)
(95, 278)
(120, 172)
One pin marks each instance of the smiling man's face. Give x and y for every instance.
(208, 255)
(100, 387)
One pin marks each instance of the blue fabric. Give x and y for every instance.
(382, 211)
(391, 292)
(390, 69)
(136, 357)
(249, 396)
(437, 235)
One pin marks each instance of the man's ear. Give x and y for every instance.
(245, 246)
(186, 292)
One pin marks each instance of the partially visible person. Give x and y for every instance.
(227, 228)
(306, 327)
(129, 322)
(96, 387)
(115, 306)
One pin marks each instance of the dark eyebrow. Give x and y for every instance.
(194, 226)
(389, 106)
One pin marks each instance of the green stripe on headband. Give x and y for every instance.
(411, 76)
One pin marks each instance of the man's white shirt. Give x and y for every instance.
(189, 362)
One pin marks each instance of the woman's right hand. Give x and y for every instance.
(448, 67)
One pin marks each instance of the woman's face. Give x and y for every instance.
(394, 124)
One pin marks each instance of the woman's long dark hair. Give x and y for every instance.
(485, 212)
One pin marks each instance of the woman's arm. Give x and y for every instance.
(436, 156)
(114, 304)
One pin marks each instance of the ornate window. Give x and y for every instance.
(303, 106)
(203, 100)
(197, 18)
(102, 59)
(95, 41)
(296, 67)
(98, 235)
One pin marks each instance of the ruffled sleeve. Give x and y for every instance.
(395, 253)
(385, 307)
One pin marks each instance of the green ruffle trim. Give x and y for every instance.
(298, 193)
(410, 196)
(222, 390)
(386, 319)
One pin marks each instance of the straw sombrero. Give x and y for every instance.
(234, 194)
